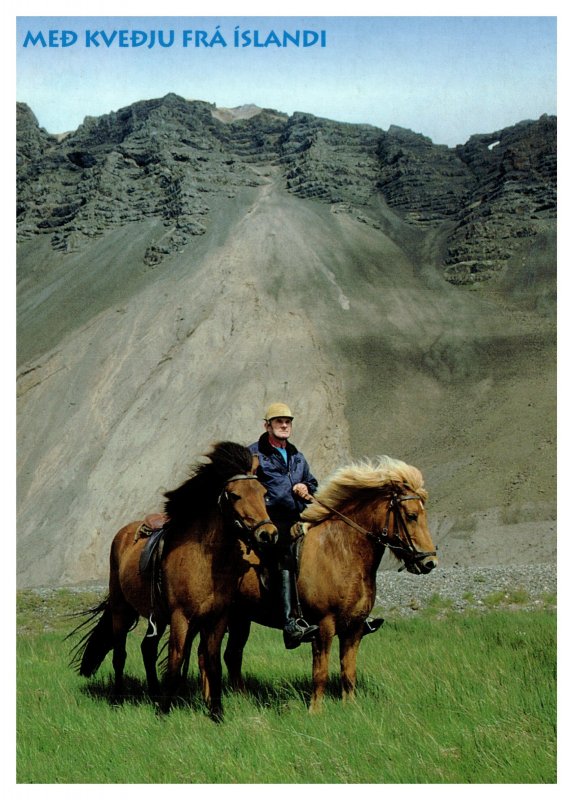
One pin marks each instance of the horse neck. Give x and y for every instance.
(208, 529)
(350, 546)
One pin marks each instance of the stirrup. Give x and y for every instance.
(372, 624)
(297, 631)
(151, 628)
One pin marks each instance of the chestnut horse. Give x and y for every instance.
(221, 504)
(363, 510)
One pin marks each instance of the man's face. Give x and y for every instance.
(280, 427)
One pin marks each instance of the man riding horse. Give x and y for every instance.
(285, 473)
(290, 485)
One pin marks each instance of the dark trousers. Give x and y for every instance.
(284, 556)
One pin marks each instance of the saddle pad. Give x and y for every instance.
(156, 521)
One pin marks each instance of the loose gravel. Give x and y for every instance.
(460, 588)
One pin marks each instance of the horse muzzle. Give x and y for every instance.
(265, 534)
(421, 566)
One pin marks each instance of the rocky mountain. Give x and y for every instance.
(179, 266)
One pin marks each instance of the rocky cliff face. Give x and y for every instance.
(179, 266)
(167, 158)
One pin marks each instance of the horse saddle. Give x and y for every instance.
(153, 527)
(151, 523)
(297, 534)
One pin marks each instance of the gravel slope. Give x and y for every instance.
(291, 299)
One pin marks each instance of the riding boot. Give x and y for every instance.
(295, 629)
(371, 625)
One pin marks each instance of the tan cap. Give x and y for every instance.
(278, 410)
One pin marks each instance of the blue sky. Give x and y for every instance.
(446, 77)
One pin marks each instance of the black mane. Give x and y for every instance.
(201, 491)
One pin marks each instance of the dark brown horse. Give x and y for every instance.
(221, 504)
(363, 510)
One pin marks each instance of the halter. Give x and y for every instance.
(238, 521)
(383, 538)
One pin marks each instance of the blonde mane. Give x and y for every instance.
(344, 484)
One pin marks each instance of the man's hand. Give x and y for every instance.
(301, 490)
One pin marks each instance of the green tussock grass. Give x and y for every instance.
(441, 699)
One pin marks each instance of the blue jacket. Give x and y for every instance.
(279, 478)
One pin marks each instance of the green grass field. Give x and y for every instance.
(443, 698)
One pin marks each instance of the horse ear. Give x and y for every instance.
(254, 464)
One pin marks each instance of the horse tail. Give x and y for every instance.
(96, 642)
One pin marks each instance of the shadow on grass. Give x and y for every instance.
(267, 693)
(135, 692)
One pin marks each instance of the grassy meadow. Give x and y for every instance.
(443, 698)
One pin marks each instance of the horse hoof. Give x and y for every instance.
(162, 708)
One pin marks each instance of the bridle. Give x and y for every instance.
(237, 520)
(406, 550)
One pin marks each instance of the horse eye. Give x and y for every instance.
(233, 497)
(411, 517)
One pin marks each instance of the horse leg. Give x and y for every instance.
(177, 636)
(210, 667)
(118, 661)
(123, 617)
(239, 630)
(187, 655)
(321, 646)
(149, 647)
(349, 644)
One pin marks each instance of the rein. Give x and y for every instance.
(382, 538)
